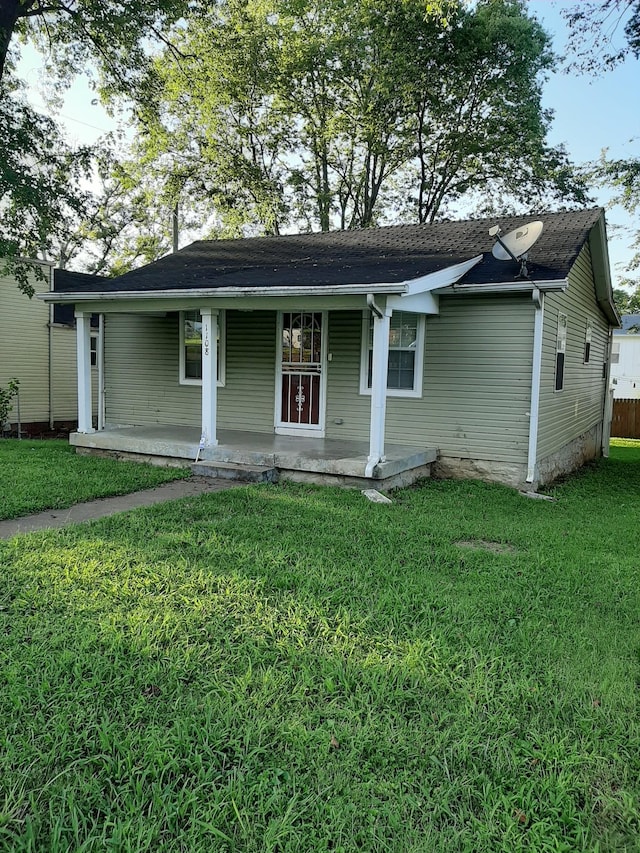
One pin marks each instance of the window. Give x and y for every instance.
(94, 350)
(406, 346)
(615, 352)
(587, 342)
(191, 348)
(561, 349)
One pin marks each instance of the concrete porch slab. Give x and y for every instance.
(328, 458)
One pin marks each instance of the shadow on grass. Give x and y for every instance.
(259, 669)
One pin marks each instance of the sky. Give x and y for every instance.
(591, 114)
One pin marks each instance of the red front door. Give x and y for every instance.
(301, 395)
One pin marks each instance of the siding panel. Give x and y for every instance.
(142, 372)
(24, 348)
(567, 414)
(476, 389)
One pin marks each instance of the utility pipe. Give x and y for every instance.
(50, 353)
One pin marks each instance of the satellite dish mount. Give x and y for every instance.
(516, 244)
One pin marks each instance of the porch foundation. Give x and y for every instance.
(323, 461)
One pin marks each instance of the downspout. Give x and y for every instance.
(378, 401)
(607, 410)
(371, 303)
(50, 353)
(534, 414)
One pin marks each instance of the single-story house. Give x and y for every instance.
(625, 359)
(38, 347)
(370, 356)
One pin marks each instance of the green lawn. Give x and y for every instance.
(295, 669)
(39, 475)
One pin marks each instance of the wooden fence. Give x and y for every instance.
(626, 419)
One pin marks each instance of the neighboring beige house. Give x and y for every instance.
(367, 356)
(38, 347)
(625, 359)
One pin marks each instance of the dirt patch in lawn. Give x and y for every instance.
(486, 545)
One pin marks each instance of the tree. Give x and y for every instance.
(476, 106)
(113, 35)
(593, 28)
(339, 114)
(39, 176)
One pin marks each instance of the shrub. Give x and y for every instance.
(6, 396)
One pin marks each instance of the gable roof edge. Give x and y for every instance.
(602, 271)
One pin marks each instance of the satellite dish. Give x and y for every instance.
(515, 245)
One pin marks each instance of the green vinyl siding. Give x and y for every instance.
(26, 344)
(142, 372)
(476, 384)
(64, 395)
(248, 399)
(344, 401)
(567, 414)
(24, 349)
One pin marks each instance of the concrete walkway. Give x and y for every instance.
(193, 487)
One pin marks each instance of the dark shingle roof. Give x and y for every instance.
(388, 255)
(68, 280)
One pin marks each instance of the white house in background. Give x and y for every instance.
(625, 359)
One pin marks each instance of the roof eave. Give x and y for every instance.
(519, 286)
(602, 271)
(223, 292)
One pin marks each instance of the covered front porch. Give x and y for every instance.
(321, 460)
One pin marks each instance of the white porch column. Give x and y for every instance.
(209, 377)
(83, 353)
(100, 365)
(380, 366)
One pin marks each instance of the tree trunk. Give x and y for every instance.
(10, 12)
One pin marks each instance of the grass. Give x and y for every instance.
(40, 475)
(295, 669)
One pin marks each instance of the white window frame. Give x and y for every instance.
(561, 348)
(93, 348)
(588, 335)
(186, 380)
(418, 367)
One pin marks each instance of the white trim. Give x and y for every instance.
(83, 357)
(441, 278)
(517, 286)
(222, 362)
(536, 373)
(285, 427)
(588, 337)
(219, 292)
(418, 369)
(100, 365)
(379, 371)
(208, 436)
(417, 303)
(561, 340)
